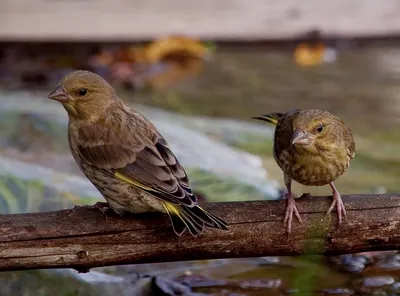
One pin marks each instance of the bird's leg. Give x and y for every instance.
(337, 200)
(291, 205)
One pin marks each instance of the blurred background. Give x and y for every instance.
(200, 71)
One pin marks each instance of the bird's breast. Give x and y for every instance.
(310, 169)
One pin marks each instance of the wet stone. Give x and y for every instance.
(355, 267)
(396, 287)
(378, 281)
(396, 257)
(375, 285)
(351, 263)
(260, 284)
(385, 255)
(392, 265)
(338, 291)
(269, 260)
(196, 281)
(163, 286)
(360, 259)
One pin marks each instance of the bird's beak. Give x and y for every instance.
(59, 94)
(301, 137)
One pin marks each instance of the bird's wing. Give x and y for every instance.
(134, 152)
(284, 131)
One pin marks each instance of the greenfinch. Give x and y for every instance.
(125, 157)
(314, 148)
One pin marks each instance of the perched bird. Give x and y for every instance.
(125, 157)
(314, 148)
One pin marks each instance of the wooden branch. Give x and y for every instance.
(83, 237)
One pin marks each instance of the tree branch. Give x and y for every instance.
(83, 237)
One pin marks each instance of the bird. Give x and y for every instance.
(314, 148)
(125, 157)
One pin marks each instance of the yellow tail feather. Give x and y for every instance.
(194, 219)
(271, 118)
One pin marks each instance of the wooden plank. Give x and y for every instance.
(87, 20)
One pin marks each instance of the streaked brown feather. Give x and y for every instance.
(126, 143)
(332, 151)
(125, 157)
(314, 148)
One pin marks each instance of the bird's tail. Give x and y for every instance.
(194, 219)
(271, 118)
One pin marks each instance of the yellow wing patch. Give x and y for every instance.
(171, 209)
(124, 178)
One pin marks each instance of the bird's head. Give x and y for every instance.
(315, 130)
(84, 94)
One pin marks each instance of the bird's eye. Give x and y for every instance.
(82, 92)
(320, 128)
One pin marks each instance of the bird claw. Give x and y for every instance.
(340, 209)
(104, 208)
(290, 210)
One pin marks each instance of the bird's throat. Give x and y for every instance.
(70, 108)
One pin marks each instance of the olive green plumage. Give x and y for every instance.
(125, 157)
(312, 147)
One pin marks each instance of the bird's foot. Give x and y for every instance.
(290, 210)
(340, 209)
(104, 208)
